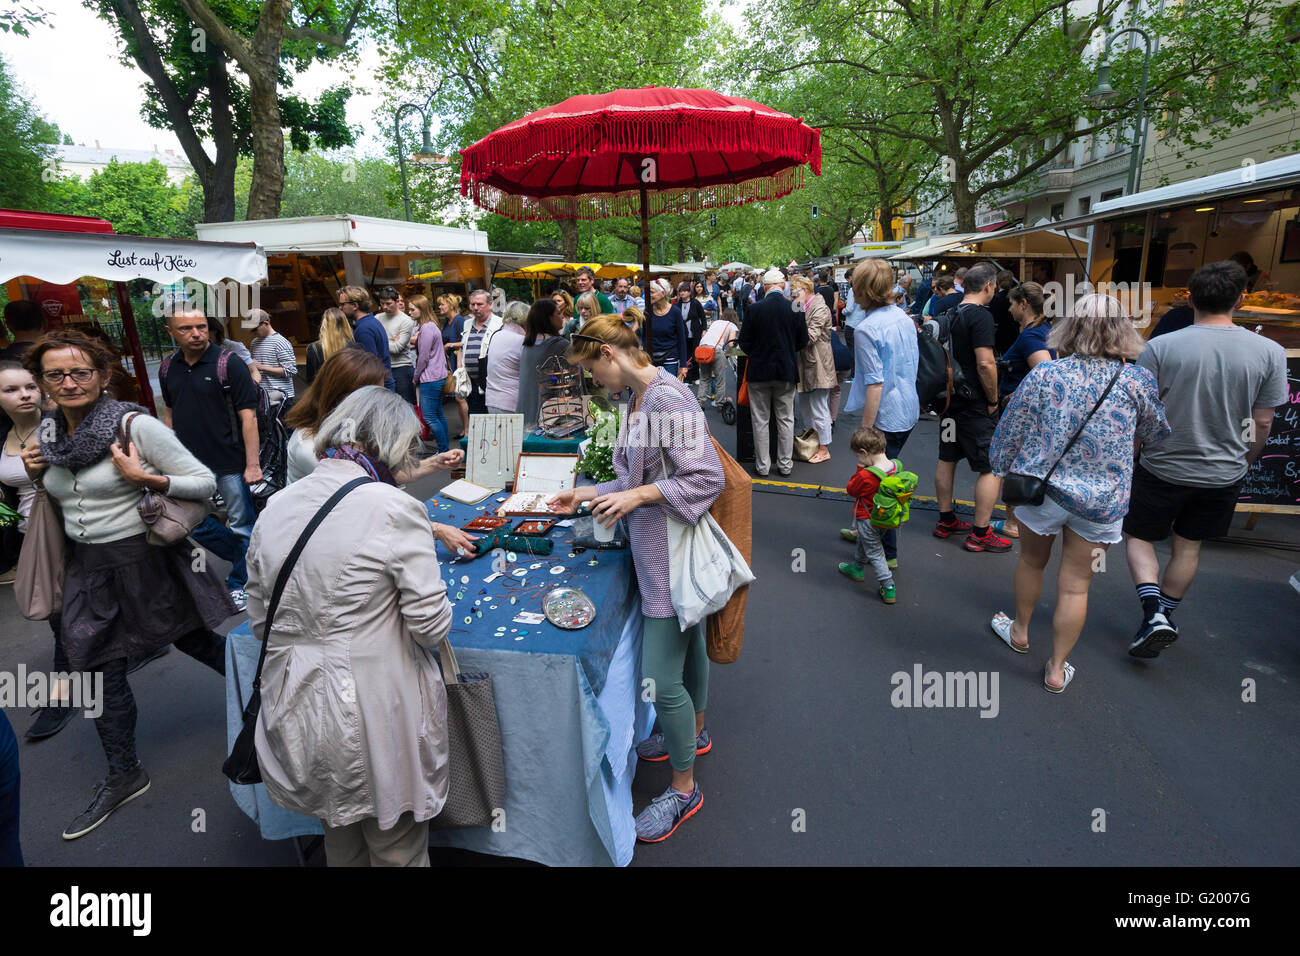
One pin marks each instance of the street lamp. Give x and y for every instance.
(426, 145)
(1103, 92)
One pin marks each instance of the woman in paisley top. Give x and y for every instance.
(1088, 493)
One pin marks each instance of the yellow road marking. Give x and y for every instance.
(843, 491)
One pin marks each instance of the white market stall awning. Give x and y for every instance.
(937, 245)
(1249, 178)
(348, 233)
(64, 257)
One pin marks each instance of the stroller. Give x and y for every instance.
(728, 404)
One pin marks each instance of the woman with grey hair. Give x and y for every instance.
(353, 724)
(1093, 392)
(503, 361)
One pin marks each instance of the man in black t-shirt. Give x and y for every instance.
(826, 290)
(218, 423)
(966, 431)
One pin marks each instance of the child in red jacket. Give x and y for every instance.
(869, 446)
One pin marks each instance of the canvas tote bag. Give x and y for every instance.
(704, 567)
(38, 580)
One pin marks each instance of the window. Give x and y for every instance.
(1058, 211)
(1111, 194)
(1085, 203)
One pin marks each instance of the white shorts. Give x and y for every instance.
(1049, 518)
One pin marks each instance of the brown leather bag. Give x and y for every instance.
(167, 519)
(733, 511)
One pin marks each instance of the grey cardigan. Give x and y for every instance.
(99, 505)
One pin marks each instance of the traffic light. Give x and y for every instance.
(814, 212)
(713, 220)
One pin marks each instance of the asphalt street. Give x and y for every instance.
(1138, 763)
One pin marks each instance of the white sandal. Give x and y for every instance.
(1001, 625)
(1069, 676)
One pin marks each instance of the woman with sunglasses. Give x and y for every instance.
(122, 596)
(645, 495)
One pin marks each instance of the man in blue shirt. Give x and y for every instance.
(367, 331)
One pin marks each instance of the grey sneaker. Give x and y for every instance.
(109, 795)
(654, 748)
(239, 598)
(666, 813)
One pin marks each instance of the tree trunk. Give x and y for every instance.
(219, 187)
(569, 240)
(963, 203)
(886, 222)
(268, 147)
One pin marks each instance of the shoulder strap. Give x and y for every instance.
(124, 430)
(282, 578)
(1109, 386)
(222, 360)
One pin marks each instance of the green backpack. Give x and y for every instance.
(892, 503)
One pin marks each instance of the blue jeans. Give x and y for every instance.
(431, 411)
(11, 854)
(894, 442)
(230, 543)
(672, 366)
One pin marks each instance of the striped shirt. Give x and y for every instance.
(275, 350)
(669, 418)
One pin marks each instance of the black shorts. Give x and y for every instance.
(973, 433)
(1156, 506)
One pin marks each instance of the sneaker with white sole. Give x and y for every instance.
(239, 598)
(666, 813)
(111, 794)
(1153, 637)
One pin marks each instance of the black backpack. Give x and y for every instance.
(939, 377)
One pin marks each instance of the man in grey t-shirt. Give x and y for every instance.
(399, 327)
(1220, 384)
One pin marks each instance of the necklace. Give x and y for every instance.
(22, 440)
(482, 447)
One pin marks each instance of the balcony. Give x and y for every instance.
(1057, 182)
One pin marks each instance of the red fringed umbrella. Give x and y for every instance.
(639, 152)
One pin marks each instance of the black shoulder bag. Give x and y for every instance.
(1020, 489)
(241, 766)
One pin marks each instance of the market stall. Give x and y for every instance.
(1159, 237)
(568, 701)
(44, 258)
(310, 258)
(1043, 253)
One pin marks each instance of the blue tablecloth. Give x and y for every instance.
(606, 577)
(568, 702)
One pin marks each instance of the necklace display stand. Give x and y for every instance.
(495, 443)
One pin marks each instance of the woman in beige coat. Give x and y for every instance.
(816, 365)
(353, 724)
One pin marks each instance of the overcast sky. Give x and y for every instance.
(72, 71)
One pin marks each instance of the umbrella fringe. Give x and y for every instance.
(606, 205)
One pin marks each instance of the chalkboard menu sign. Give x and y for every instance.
(1273, 482)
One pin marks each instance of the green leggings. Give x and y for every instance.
(678, 664)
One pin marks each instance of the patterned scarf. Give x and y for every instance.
(374, 468)
(89, 443)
